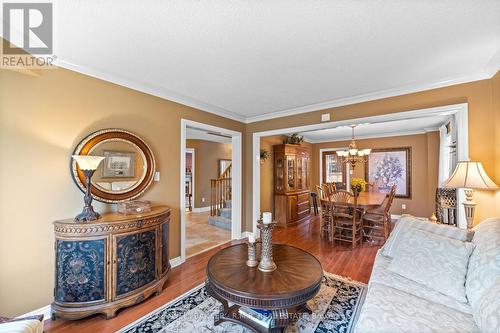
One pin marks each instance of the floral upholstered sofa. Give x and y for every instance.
(435, 278)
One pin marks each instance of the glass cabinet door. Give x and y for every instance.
(279, 175)
(290, 172)
(305, 170)
(300, 175)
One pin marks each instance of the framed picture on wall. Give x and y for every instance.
(118, 164)
(390, 166)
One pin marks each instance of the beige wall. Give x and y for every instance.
(206, 166)
(478, 95)
(42, 119)
(425, 160)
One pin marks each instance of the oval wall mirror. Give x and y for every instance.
(124, 174)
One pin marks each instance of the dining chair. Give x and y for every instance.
(347, 222)
(326, 218)
(320, 192)
(331, 187)
(376, 222)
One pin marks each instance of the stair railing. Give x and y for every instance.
(220, 191)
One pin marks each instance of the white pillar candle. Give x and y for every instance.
(251, 238)
(267, 217)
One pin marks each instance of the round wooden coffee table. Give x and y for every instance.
(284, 291)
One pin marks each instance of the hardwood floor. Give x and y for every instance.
(356, 264)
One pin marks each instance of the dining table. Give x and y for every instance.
(370, 200)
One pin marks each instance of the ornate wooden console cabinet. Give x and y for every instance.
(292, 188)
(114, 262)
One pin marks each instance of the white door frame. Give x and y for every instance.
(236, 178)
(193, 156)
(461, 116)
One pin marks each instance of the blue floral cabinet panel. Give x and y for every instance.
(135, 261)
(165, 263)
(113, 262)
(80, 271)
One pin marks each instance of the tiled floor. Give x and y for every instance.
(200, 235)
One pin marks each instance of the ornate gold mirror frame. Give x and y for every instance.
(87, 145)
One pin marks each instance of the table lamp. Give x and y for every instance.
(470, 176)
(88, 164)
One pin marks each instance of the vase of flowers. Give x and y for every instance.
(357, 185)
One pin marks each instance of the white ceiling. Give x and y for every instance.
(254, 59)
(381, 129)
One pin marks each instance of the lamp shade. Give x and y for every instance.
(88, 162)
(471, 175)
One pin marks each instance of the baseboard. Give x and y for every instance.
(395, 216)
(176, 262)
(45, 311)
(201, 209)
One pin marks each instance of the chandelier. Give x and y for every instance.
(353, 155)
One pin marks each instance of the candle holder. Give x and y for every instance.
(266, 258)
(252, 254)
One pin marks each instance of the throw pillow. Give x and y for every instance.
(437, 262)
(407, 222)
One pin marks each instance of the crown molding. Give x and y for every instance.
(370, 96)
(375, 136)
(167, 94)
(149, 89)
(493, 65)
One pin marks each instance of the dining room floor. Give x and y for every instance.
(201, 236)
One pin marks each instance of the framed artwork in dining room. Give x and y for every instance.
(390, 166)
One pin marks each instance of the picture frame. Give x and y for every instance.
(388, 166)
(118, 164)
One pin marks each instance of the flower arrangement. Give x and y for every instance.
(358, 185)
(294, 139)
(264, 155)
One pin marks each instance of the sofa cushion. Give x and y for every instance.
(381, 274)
(407, 222)
(484, 264)
(487, 312)
(389, 310)
(437, 262)
(22, 326)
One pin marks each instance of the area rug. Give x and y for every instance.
(335, 309)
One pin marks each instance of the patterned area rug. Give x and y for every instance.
(335, 309)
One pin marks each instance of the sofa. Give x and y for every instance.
(32, 324)
(435, 299)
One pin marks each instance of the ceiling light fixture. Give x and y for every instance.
(354, 155)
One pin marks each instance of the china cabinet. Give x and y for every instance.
(292, 177)
(110, 263)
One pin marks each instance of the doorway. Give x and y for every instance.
(459, 112)
(209, 219)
